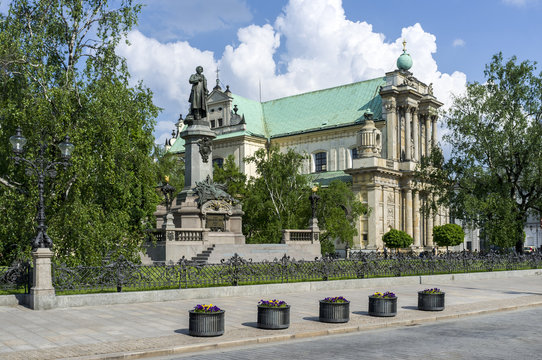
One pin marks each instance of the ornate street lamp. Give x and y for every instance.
(42, 169)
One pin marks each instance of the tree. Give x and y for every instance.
(230, 175)
(170, 165)
(448, 235)
(338, 212)
(60, 75)
(493, 177)
(278, 198)
(397, 239)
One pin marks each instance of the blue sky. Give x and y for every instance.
(293, 46)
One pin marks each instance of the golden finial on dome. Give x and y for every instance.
(404, 45)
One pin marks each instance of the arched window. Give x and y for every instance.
(219, 162)
(320, 162)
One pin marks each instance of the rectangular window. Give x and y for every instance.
(354, 153)
(219, 122)
(219, 162)
(320, 162)
(212, 124)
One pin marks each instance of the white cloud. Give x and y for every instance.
(458, 43)
(313, 40)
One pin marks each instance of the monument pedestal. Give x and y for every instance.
(42, 293)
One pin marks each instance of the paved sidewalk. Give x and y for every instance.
(160, 329)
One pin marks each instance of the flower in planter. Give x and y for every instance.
(201, 308)
(386, 295)
(272, 303)
(431, 291)
(336, 299)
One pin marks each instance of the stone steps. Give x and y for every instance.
(203, 257)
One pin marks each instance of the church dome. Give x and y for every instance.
(404, 62)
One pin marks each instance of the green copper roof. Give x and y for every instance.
(334, 107)
(341, 105)
(325, 178)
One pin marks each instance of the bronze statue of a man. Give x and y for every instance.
(198, 95)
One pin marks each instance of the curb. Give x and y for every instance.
(177, 350)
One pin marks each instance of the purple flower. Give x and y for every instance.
(336, 299)
(206, 308)
(272, 303)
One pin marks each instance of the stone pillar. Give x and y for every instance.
(408, 211)
(416, 124)
(427, 135)
(198, 156)
(416, 222)
(391, 130)
(430, 230)
(408, 118)
(434, 135)
(42, 293)
(373, 201)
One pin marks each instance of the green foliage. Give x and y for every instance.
(59, 75)
(230, 175)
(492, 178)
(327, 247)
(448, 235)
(278, 198)
(169, 165)
(338, 212)
(397, 239)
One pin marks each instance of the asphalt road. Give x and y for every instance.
(509, 335)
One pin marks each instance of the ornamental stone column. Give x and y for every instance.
(416, 210)
(430, 230)
(373, 199)
(408, 154)
(408, 211)
(434, 124)
(391, 130)
(415, 123)
(427, 135)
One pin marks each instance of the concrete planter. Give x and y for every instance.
(430, 301)
(273, 317)
(332, 312)
(206, 324)
(383, 307)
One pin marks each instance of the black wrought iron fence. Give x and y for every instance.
(122, 274)
(17, 277)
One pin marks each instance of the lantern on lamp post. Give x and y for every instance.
(41, 168)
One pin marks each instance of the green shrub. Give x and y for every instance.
(327, 247)
(396, 239)
(448, 235)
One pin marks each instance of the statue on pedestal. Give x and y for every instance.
(198, 94)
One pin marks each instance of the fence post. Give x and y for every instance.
(42, 293)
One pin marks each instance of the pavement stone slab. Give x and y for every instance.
(160, 328)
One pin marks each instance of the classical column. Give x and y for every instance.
(373, 201)
(434, 124)
(408, 155)
(430, 230)
(416, 211)
(391, 121)
(427, 135)
(408, 211)
(415, 123)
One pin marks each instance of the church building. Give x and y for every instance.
(371, 134)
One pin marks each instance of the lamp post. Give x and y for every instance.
(168, 192)
(42, 169)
